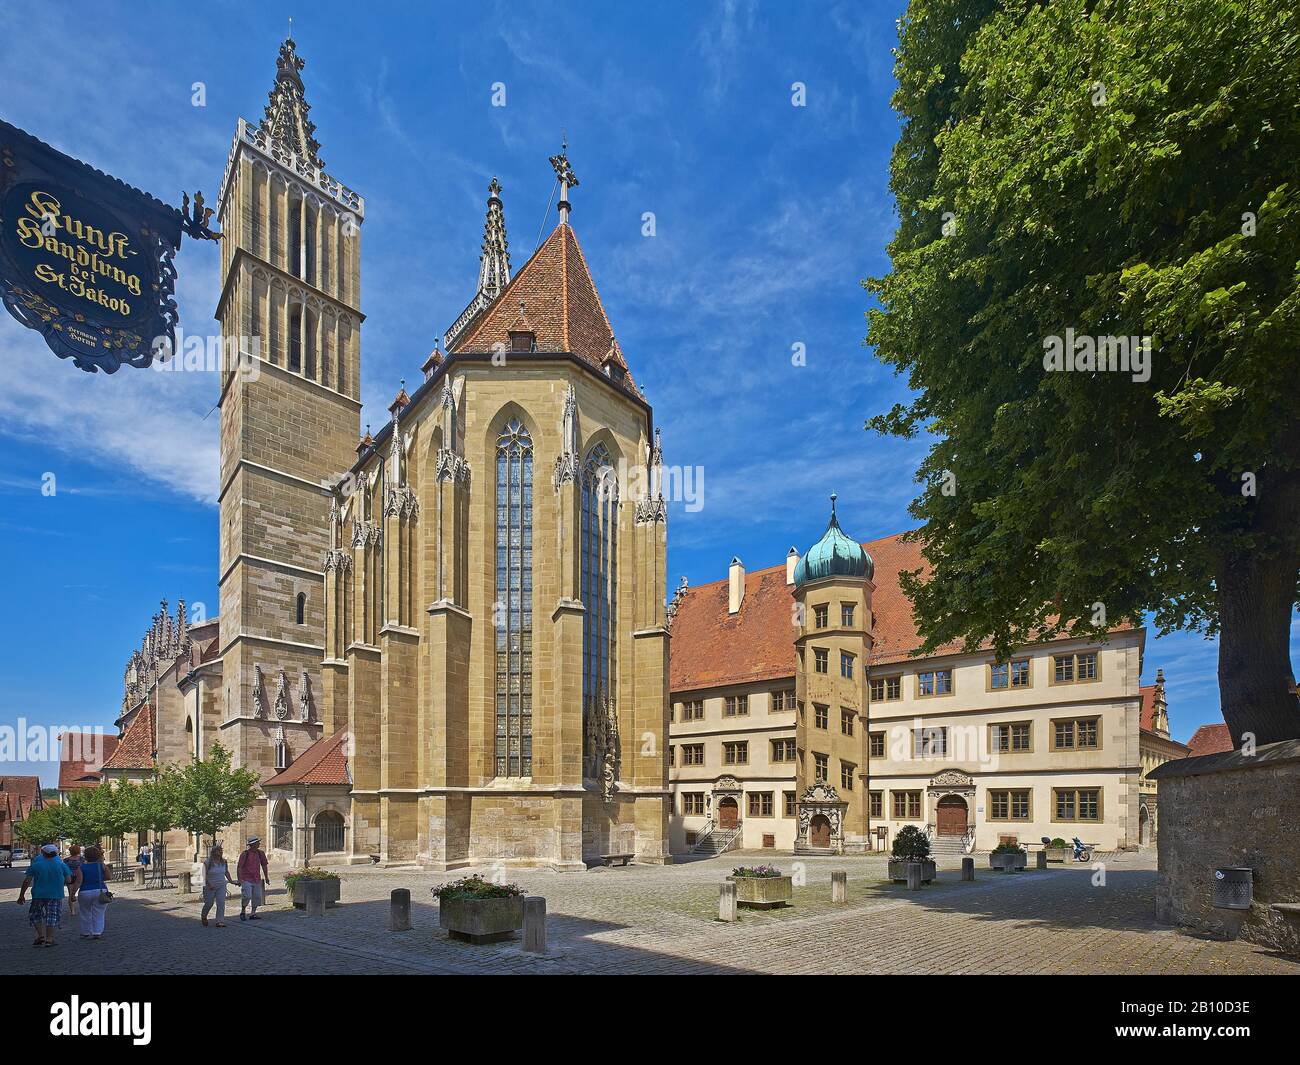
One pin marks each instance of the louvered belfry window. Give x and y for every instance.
(513, 611)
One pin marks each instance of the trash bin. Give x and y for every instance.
(1232, 888)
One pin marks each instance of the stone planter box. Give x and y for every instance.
(333, 892)
(481, 920)
(763, 892)
(1009, 862)
(898, 871)
(1059, 854)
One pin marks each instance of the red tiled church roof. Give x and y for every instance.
(81, 755)
(560, 306)
(324, 762)
(1210, 739)
(136, 748)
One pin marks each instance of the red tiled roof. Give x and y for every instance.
(324, 762)
(561, 307)
(1148, 718)
(19, 796)
(1210, 739)
(135, 750)
(711, 647)
(81, 754)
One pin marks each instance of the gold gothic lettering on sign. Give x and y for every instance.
(90, 252)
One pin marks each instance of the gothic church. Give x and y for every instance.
(445, 643)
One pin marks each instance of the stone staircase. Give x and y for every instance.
(717, 841)
(947, 848)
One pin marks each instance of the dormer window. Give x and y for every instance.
(615, 372)
(523, 341)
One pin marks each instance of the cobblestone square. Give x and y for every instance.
(648, 919)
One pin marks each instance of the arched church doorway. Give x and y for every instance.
(1144, 825)
(819, 831)
(950, 816)
(728, 813)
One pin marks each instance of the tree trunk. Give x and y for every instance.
(1256, 686)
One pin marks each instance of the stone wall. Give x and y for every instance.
(1231, 809)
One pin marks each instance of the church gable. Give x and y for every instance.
(555, 298)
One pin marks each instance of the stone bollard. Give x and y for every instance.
(535, 924)
(399, 909)
(839, 887)
(968, 868)
(1040, 860)
(914, 871)
(184, 883)
(727, 902)
(139, 876)
(313, 893)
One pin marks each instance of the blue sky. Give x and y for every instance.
(766, 217)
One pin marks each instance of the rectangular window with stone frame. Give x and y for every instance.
(760, 804)
(783, 750)
(906, 805)
(735, 706)
(820, 616)
(791, 803)
(692, 804)
(782, 700)
(846, 722)
(821, 767)
(876, 804)
(821, 660)
(735, 752)
(876, 748)
(693, 710)
(821, 716)
(692, 754)
(886, 689)
(847, 769)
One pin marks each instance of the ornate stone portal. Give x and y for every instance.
(952, 782)
(819, 807)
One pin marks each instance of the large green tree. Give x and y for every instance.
(1115, 168)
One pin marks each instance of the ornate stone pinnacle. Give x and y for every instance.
(285, 120)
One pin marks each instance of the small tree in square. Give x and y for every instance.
(209, 795)
(910, 845)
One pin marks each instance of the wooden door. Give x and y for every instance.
(819, 831)
(727, 813)
(950, 816)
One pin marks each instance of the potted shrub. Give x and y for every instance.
(1058, 850)
(295, 880)
(761, 887)
(479, 911)
(911, 846)
(1009, 857)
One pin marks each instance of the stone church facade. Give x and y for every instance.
(445, 643)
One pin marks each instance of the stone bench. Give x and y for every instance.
(616, 859)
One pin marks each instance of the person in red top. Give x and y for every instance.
(252, 873)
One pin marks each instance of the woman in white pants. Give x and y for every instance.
(91, 896)
(216, 874)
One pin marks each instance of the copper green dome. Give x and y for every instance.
(834, 555)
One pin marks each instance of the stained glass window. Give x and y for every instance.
(599, 540)
(514, 602)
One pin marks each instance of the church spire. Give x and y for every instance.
(568, 180)
(494, 259)
(286, 122)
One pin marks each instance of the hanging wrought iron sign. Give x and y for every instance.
(85, 259)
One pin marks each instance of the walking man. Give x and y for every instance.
(252, 872)
(48, 877)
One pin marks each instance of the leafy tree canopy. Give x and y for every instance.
(1111, 168)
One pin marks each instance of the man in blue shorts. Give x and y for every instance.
(48, 876)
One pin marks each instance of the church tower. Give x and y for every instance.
(290, 321)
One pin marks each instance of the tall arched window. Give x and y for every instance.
(514, 602)
(295, 339)
(599, 542)
(300, 608)
(295, 236)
